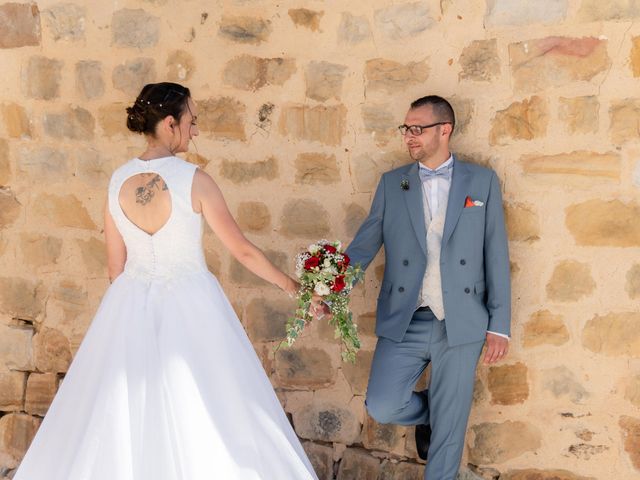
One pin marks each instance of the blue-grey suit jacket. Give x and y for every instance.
(474, 260)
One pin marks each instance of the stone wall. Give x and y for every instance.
(299, 102)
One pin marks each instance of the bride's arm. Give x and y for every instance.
(116, 250)
(208, 200)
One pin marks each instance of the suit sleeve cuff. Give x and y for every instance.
(500, 334)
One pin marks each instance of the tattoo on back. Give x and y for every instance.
(146, 193)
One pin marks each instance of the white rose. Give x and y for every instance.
(313, 249)
(327, 263)
(321, 289)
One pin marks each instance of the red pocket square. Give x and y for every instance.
(468, 203)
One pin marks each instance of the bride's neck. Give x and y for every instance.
(156, 149)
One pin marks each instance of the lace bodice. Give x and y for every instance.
(176, 248)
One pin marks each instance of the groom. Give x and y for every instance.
(445, 291)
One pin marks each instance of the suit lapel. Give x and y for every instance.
(457, 195)
(413, 200)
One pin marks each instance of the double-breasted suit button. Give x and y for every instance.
(463, 262)
(467, 290)
(405, 262)
(401, 289)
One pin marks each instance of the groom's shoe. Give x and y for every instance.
(423, 434)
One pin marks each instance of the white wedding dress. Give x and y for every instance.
(166, 385)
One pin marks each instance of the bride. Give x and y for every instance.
(166, 385)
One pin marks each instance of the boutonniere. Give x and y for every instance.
(404, 184)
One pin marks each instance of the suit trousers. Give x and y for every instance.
(395, 370)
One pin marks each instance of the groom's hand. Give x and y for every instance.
(497, 348)
(318, 308)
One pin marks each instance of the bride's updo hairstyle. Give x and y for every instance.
(156, 102)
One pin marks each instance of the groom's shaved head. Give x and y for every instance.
(442, 109)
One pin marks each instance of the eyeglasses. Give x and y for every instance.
(416, 130)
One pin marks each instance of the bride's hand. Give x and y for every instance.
(291, 287)
(318, 308)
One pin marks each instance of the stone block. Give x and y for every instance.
(222, 117)
(403, 21)
(245, 172)
(9, 208)
(94, 255)
(5, 165)
(66, 21)
(570, 282)
(580, 114)
(562, 383)
(15, 345)
(51, 351)
(526, 120)
(499, 442)
(242, 275)
(544, 328)
(523, 224)
(134, 28)
(251, 73)
(40, 250)
(41, 78)
(380, 123)
(74, 124)
(357, 464)
(556, 61)
(353, 30)
(327, 422)
(19, 25)
(305, 218)
(480, 61)
(596, 11)
(385, 437)
(16, 121)
(631, 435)
(535, 474)
(92, 167)
(392, 76)
(63, 211)
(324, 124)
(598, 166)
(265, 319)
(254, 216)
(321, 458)
(509, 13)
(43, 163)
(316, 169)
(303, 17)
(245, 29)
(354, 216)
(508, 384)
(624, 116)
(41, 388)
(12, 391)
(613, 335)
(635, 56)
(21, 298)
(16, 433)
(401, 471)
(129, 77)
(632, 391)
(69, 292)
(601, 223)
(358, 374)
(632, 285)
(304, 368)
(324, 80)
(112, 119)
(180, 66)
(90, 79)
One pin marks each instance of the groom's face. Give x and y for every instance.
(429, 142)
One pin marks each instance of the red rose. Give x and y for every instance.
(330, 249)
(346, 260)
(311, 262)
(338, 284)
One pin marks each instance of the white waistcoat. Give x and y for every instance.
(431, 293)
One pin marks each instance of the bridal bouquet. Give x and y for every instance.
(326, 271)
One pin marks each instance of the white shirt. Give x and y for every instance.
(436, 190)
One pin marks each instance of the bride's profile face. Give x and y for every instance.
(187, 127)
